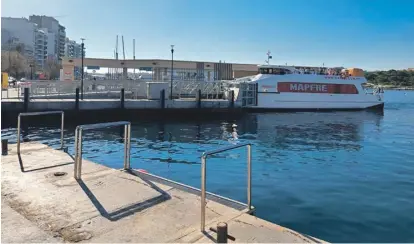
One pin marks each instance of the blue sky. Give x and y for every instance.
(371, 34)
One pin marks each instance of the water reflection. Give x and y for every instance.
(314, 131)
(282, 131)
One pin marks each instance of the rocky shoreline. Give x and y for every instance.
(389, 87)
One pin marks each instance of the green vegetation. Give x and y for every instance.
(391, 78)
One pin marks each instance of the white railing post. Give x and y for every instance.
(78, 143)
(203, 178)
(36, 114)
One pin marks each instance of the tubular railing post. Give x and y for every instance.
(78, 143)
(79, 168)
(203, 178)
(75, 173)
(39, 113)
(127, 140)
(18, 134)
(249, 177)
(129, 146)
(203, 192)
(61, 130)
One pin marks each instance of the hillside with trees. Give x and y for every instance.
(391, 78)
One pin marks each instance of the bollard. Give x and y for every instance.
(162, 98)
(122, 98)
(26, 99)
(198, 98)
(77, 99)
(4, 146)
(221, 232)
(257, 94)
(231, 99)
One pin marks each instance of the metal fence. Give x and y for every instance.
(111, 89)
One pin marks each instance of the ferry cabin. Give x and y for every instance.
(285, 87)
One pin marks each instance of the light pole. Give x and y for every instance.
(82, 55)
(31, 71)
(172, 70)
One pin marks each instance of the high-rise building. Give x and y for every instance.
(62, 41)
(41, 42)
(18, 31)
(54, 27)
(73, 49)
(51, 40)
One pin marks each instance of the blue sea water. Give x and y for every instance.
(338, 176)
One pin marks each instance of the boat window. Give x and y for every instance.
(281, 71)
(264, 71)
(274, 71)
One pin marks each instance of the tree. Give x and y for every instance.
(52, 69)
(14, 63)
(391, 77)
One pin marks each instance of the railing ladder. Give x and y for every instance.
(203, 178)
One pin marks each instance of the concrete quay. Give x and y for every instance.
(44, 203)
(106, 104)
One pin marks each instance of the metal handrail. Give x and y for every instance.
(203, 177)
(35, 114)
(78, 143)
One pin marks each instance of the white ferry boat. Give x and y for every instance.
(290, 88)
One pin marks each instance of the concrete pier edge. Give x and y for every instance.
(95, 210)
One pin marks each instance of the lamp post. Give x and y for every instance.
(31, 71)
(82, 55)
(172, 71)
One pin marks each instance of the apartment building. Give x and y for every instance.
(18, 31)
(53, 26)
(41, 43)
(72, 49)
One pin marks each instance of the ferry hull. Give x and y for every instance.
(378, 107)
(310, 102)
